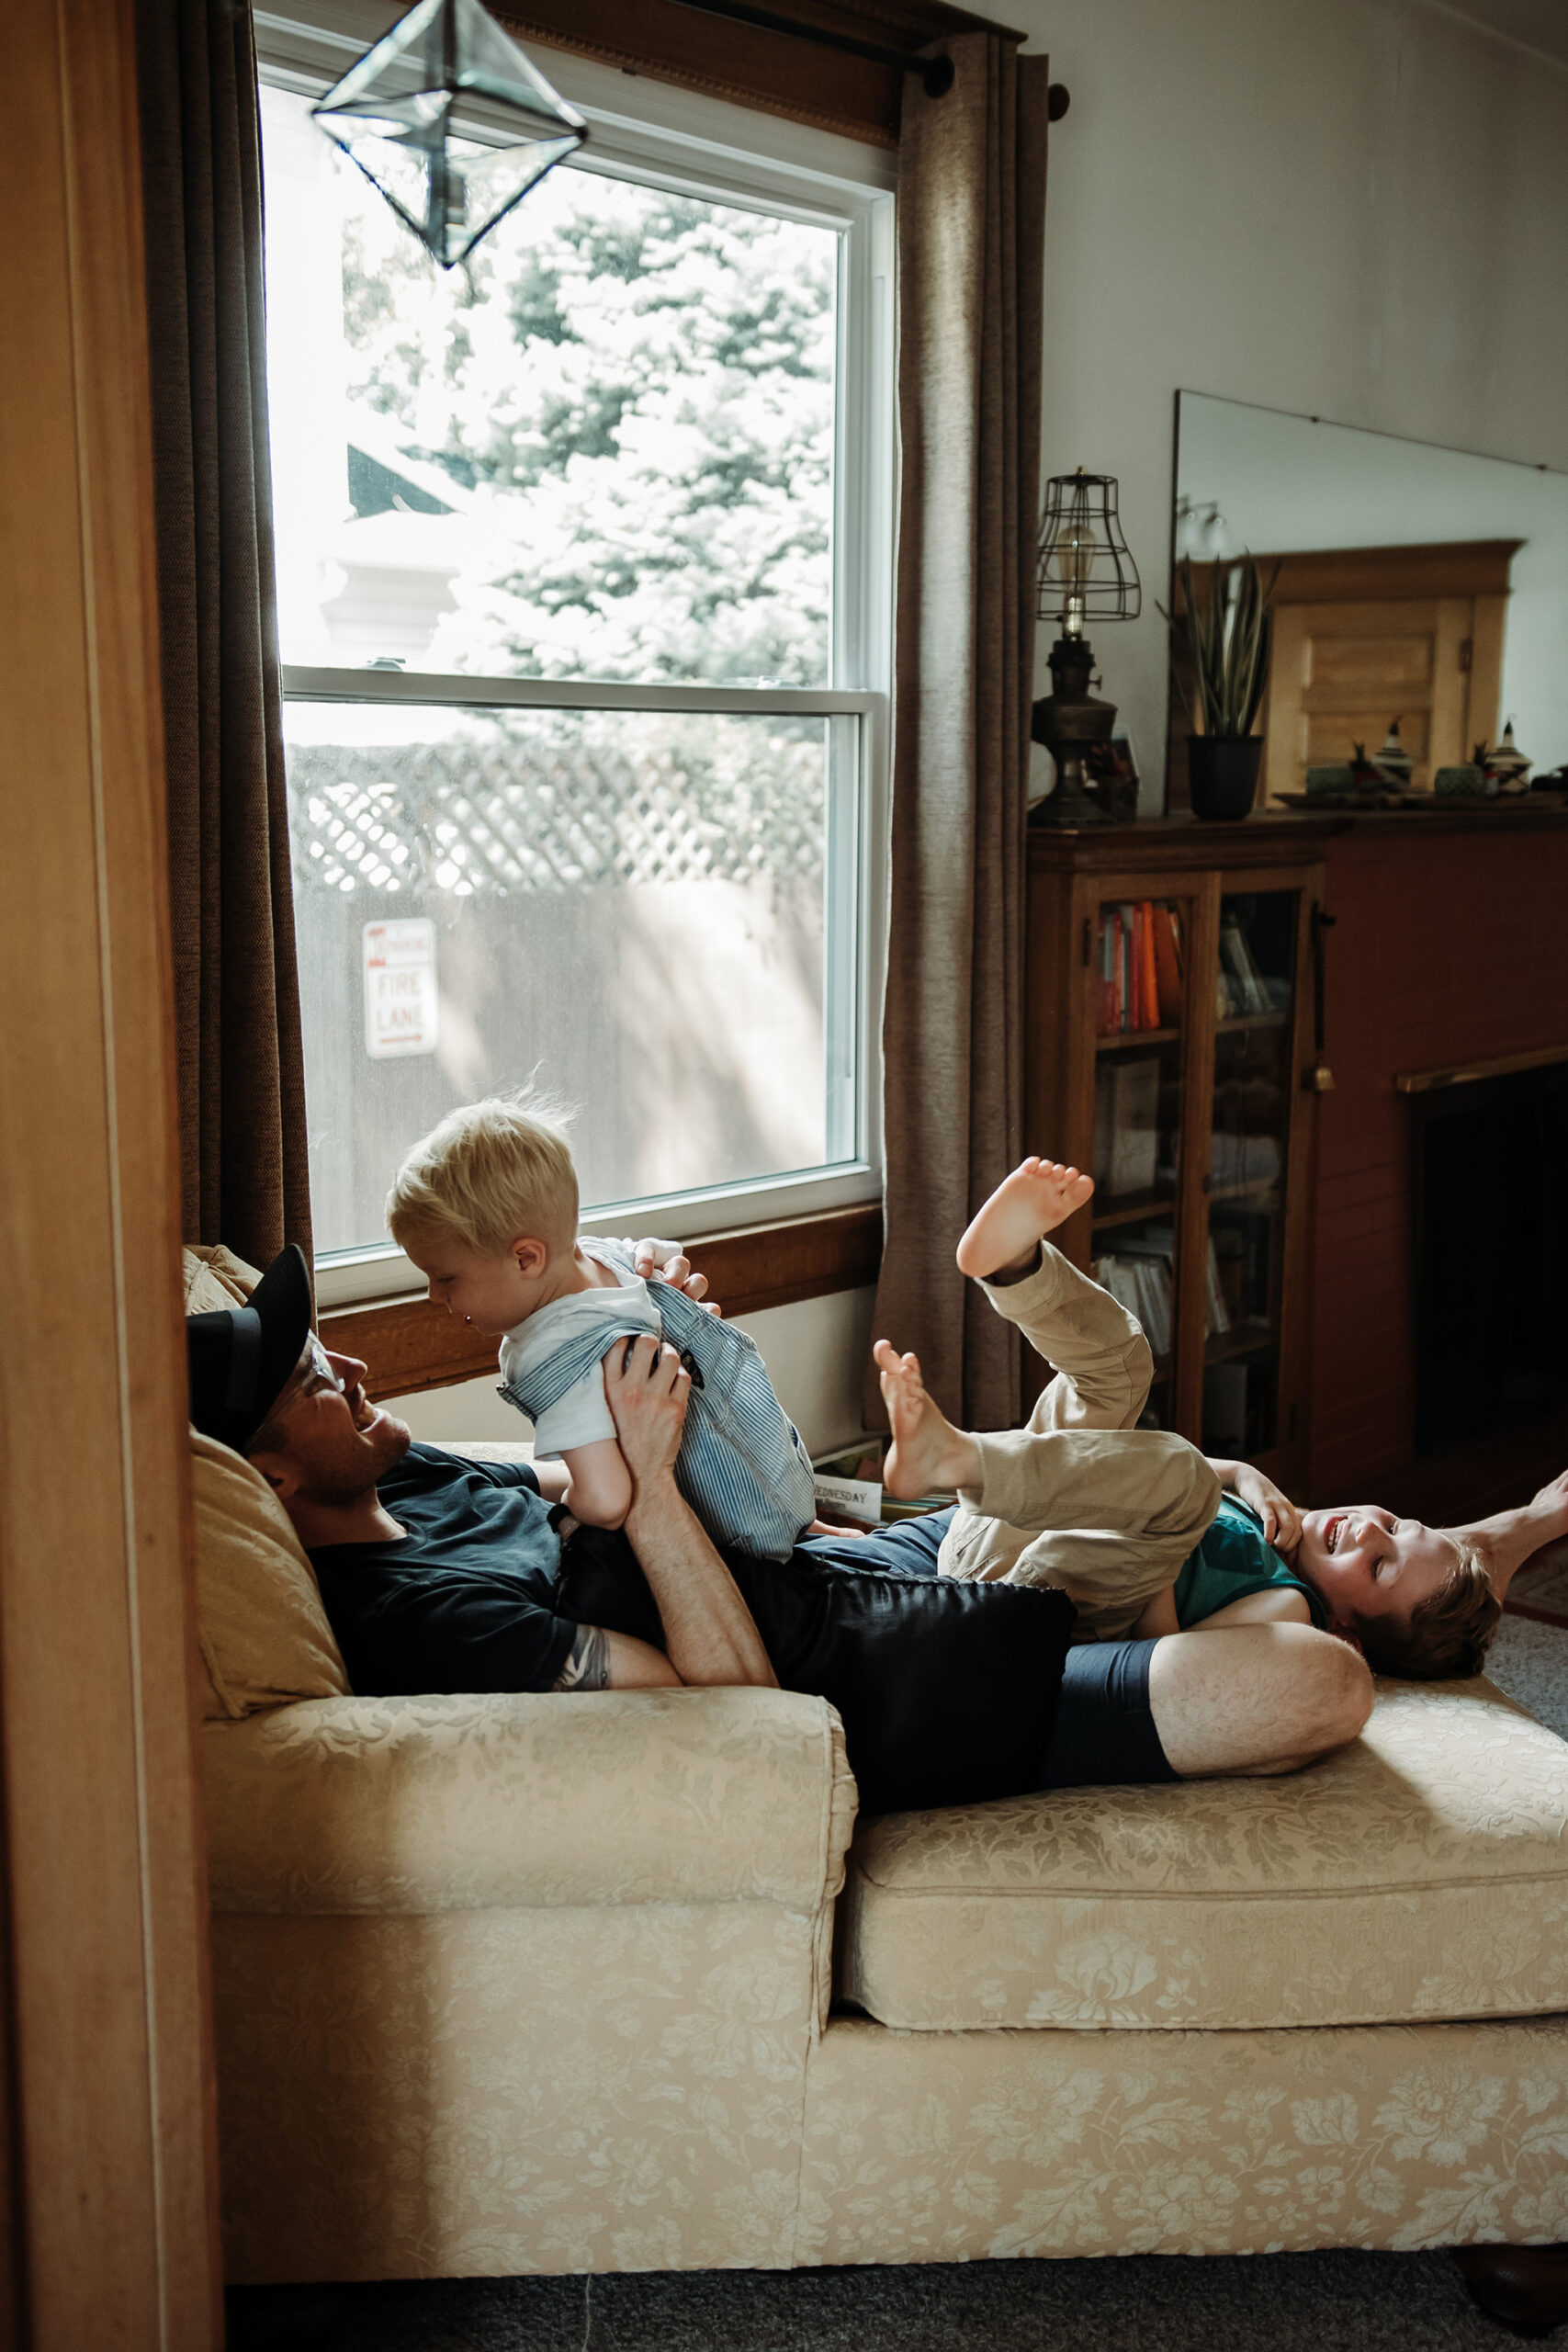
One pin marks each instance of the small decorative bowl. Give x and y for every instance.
(1466, 783)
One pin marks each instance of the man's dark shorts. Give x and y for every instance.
(1104, 1730)
(951, 1692)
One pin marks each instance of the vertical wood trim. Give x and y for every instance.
(1486, 670)
(1197, 1127)
(1284, 726)
(1293, 1397)
(1448, 741)
(111, 2064)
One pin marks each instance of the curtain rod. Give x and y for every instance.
(935, 72)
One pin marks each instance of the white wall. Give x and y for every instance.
(1356, 209)
(813, 1351)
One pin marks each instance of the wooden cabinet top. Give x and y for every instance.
(1184, 843)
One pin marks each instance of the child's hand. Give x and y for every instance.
(1281, 1521)
(665, 1261)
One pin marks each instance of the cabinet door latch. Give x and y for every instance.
(1318, 1078)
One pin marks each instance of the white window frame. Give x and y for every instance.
(640, 128)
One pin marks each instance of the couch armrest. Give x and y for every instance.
(419, 1805)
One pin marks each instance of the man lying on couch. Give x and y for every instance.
(445, 1575)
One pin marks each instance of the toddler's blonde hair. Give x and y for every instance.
(489, 1174)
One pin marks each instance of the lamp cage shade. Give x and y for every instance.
(448, 119)
(1085, 571)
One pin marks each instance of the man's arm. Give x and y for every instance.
(1509, 1538)
(709, 1634)
(599, 1660)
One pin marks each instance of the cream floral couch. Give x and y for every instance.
(614, 1982)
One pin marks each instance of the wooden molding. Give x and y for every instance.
(1380, 575)
(114, 2190)
(410, 1345)
(1427, 1081)
(778, 72)
(1180, 845)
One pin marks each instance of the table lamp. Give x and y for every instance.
(1084, 574)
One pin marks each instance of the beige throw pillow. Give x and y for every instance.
(264, 1636)
(215, 1278)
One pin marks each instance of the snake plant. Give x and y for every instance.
(1226, 632)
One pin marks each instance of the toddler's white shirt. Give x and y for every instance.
(582, 1416)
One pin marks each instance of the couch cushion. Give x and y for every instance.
(1422, 1872)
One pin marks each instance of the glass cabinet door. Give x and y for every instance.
(1138, 958)
(1252, 1097)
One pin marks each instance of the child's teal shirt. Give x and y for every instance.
(1233, 1560)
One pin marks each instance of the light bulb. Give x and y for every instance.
(1078, 544)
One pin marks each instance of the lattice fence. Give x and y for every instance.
(488, 819)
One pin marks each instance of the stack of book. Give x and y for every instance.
(1126, 1124)
(1139, 967)
(1139, 1275)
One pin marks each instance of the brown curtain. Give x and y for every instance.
(241, 1072)
(971, 246)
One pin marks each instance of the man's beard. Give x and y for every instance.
(377, 1450)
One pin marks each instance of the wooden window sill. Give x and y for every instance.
(410, 1345)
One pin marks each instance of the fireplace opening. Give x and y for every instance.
(1490, 1164)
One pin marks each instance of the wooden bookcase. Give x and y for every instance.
(1228, 1213)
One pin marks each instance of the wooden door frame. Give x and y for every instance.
(109, 2218)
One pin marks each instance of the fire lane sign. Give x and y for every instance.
(401, 1005)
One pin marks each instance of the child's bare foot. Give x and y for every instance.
(927, 1451)
(1006, 1236)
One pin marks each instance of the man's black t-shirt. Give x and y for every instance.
(948, 1691)
(467, 1600)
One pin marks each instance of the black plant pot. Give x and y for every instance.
(1222, 775)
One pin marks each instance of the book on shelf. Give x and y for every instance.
(1138, 968)
(1144, 1288)
(1166, 928)
(1126, 1124)
(1139, 1274)
(1242, 988)
(1243, 1159)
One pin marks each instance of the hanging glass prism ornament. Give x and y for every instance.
(448, 119)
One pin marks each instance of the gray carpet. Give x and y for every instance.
(1287, 2302)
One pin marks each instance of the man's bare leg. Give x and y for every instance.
(1003, 1242)
(1256, 1698)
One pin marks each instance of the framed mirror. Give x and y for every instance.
(1418, 585)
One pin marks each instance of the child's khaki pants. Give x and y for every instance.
(1082, 1498)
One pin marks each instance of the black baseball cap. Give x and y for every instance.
(240, 1359)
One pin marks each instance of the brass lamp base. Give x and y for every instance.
(1068, 722)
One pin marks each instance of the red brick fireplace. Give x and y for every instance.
(1450, 947)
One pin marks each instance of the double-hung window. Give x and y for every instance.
(583, 558)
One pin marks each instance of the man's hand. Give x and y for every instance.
(1281, 1521)
(648, 1386)
(665, 1261)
